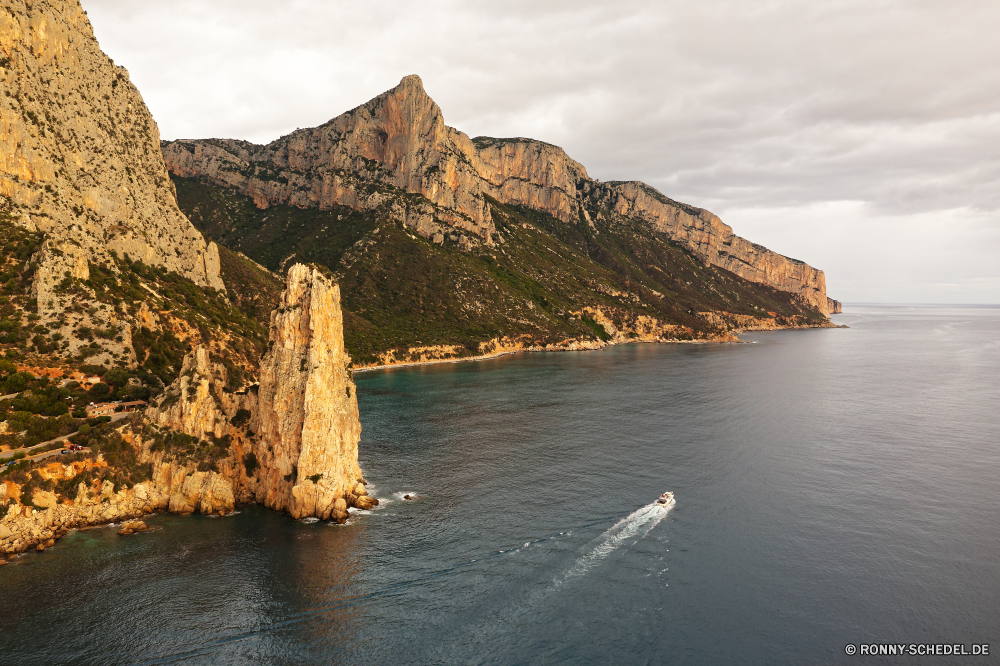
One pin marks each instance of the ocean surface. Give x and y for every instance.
(834, 487)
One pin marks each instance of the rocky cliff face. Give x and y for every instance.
(397, 145)
(301, 423)
(705, 236)
(197, 403)
(300, 428)
(79, 156)
(307, 417)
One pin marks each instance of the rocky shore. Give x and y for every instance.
(289, 442)
(506, 346)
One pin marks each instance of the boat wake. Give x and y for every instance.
(636, 525)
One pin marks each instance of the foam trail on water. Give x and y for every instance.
(636, 524)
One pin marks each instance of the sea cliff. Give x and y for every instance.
(289, 443)
(398, 143)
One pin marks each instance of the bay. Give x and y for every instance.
(834, 487)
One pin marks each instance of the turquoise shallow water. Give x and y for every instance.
(833, 487)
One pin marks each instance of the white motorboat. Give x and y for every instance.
(666, 499)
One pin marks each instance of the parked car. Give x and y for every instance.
(64, 451)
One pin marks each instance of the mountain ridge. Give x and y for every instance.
(398, 142)
(111, 300)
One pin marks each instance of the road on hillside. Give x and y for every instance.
(7, 455)
(56, 452)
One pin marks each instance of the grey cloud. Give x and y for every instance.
(774, 104)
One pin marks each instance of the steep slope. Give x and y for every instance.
(78, 152)
(109, 295)
(290, 444)
(80, 169)
(394, 155)
(545, 283)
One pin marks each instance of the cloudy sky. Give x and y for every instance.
(861, 136)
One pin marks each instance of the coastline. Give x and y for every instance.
(176, 489)
(581, 346)
(532, 349)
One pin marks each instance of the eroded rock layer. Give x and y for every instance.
(381, 154)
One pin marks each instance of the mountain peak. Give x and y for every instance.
(411, 81)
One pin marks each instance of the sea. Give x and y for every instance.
(835, 489)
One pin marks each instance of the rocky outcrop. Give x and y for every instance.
(398, 144)
(195, 403)
(395, 143)
(834, 307)
(300, 425)
(709, 239)
(738, 323)
(174, 488)
(307, 415)
(132, 527)
(79, 155)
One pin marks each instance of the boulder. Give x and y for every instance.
(365, 502)
(133, 526)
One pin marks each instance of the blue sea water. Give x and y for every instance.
(834, 487)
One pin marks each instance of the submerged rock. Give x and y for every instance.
(133, 526)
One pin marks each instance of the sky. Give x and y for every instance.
(860, 136)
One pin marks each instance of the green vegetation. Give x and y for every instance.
(399, 290)
(186, 449)
(237, 328)
(250, 463)
(45, 410)
(17, 246)
(252, 288)
(270, 236)
(124, 469)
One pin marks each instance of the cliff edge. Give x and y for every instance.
(290, 443)
(380, 154)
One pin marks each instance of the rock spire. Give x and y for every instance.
(307, 418)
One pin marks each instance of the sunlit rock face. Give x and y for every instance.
(307, 415)
(79, 150)
(381, 154)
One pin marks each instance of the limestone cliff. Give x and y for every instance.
(307, 417)
(301, 423)
(290, 443)
(197, 403)
(705, 236)
(380, 154)
(79, 156)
